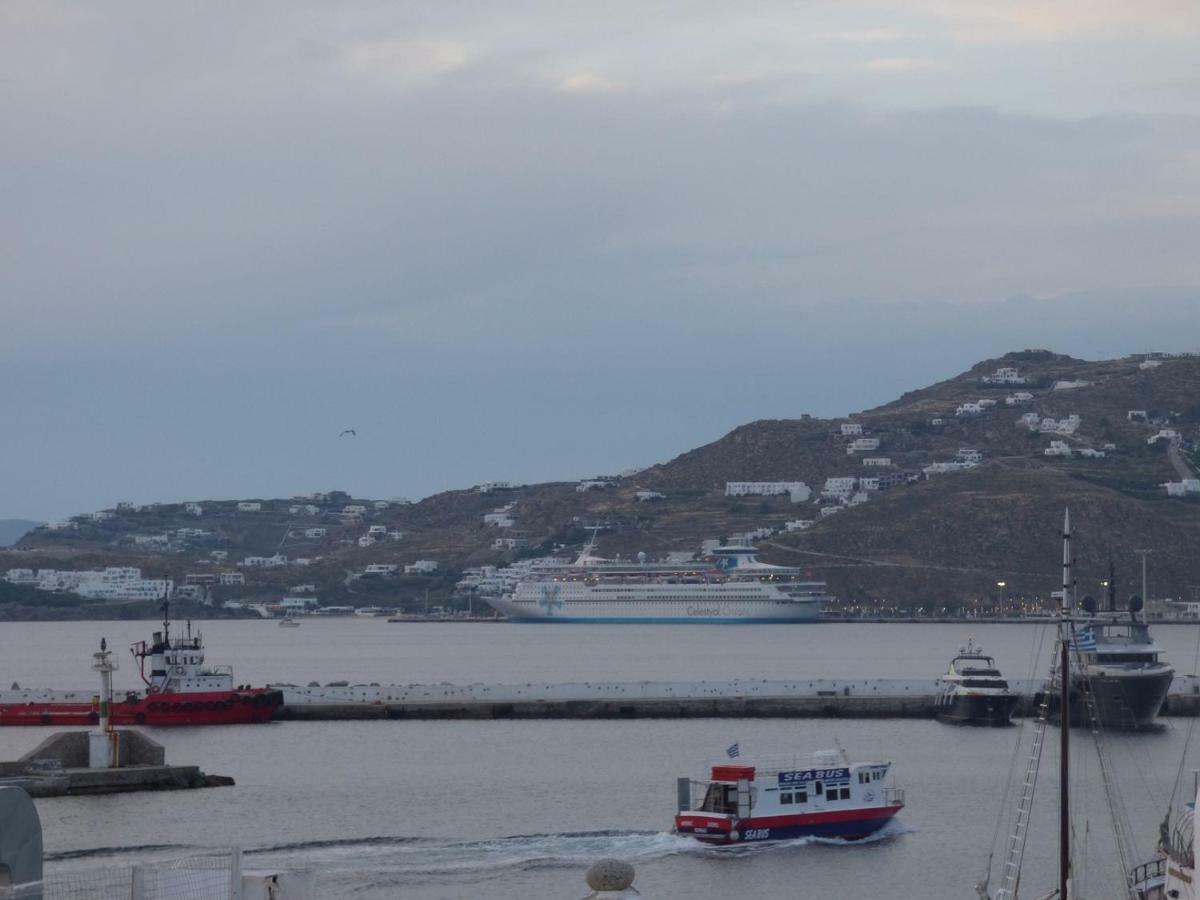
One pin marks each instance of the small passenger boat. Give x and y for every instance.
(288, 622)
(974, 692)
(832, 798)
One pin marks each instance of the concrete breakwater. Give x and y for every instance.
(739, 698)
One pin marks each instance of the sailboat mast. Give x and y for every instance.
(1064, 727)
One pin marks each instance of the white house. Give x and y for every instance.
(1030, 420)
(194, 508)
(850, 429)
(1070, 385)
(231, 578)
(499, 518)
(1091, 453)
(249, 506)
(967, 454)
(648, 496)
(858, 498)
(798, 490)
(937, 421)
(858, 445)
(1004, 375)
(510, 543)
(377, 531)
(378, 570)
(968, 409)
(354, 509)
(592, 484)
(314, 533)
(304, 509)
(877, 461)
(827, 511)
(986, 403)
(367, 540)
(1018, 398)
(20, 576)
(839, 488)
(1181, 488)
(381, 504)
(489, 487)
(868, 484)
(1166, 434)
(1137, 415)
(421, 567)
(1057, 448)
(798, 525)
(1149, 364)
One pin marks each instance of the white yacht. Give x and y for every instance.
(732, 587)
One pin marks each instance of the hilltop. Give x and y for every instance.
(12, 530)
(932, 534)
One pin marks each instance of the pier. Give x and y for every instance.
(878, 698)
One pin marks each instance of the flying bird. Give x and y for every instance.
(348, 431)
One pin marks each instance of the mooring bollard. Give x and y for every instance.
(610, 879)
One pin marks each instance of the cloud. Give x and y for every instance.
(404, 62)
(589, 83)
(897, 64)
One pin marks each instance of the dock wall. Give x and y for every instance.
(863, 699)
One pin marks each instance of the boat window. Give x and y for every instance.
(785, 797)
(801, 796)
(845, 793)
(817, 788)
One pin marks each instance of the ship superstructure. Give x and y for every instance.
(731, 587)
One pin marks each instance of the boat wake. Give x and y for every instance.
(379, 861)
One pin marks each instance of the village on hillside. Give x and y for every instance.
(930, 505)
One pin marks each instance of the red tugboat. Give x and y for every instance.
(180, 690)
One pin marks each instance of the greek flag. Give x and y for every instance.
(1085, 640)
(733, 751)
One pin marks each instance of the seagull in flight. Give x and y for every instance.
(348, 431)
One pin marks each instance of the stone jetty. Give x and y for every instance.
(739, 698)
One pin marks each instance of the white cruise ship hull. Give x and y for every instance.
(702, 608)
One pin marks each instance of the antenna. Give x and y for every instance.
(1143, 554)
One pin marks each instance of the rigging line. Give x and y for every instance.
(1188, 739)
(1122, 824)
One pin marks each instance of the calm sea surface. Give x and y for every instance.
(518, 809)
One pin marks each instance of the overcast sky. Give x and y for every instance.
(538, 241)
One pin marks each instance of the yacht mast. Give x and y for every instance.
(1064, 717)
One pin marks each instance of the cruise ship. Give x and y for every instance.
(731, 588)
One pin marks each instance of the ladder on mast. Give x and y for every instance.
(1020, 830)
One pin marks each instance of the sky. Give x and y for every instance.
(535, 241)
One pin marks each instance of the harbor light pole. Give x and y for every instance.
(102, 743)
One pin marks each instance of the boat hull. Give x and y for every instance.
(161, 710)
(660, 612)
(988, 710)
(1125, 701)
(850, 824)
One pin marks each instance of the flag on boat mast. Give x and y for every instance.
(1085, 640)
(733, 751)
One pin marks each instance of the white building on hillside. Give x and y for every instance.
(967, 454)
(1149, 364)
(798, 490)
(648, 496)
(968, 409)
(851, 429)
(1070, 385)
(1057, 448)
(798, 525)
(1004, 375)
(877, 461)
(249, 506)
(839, 488)
(421, 567)
(194, 508)
(859, 445)
(1019, 398)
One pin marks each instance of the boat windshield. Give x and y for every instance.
(720, 798)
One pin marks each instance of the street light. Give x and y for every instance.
(1000, 585)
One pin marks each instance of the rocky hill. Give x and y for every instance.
(928, 538)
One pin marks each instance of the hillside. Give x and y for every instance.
(929, 540)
